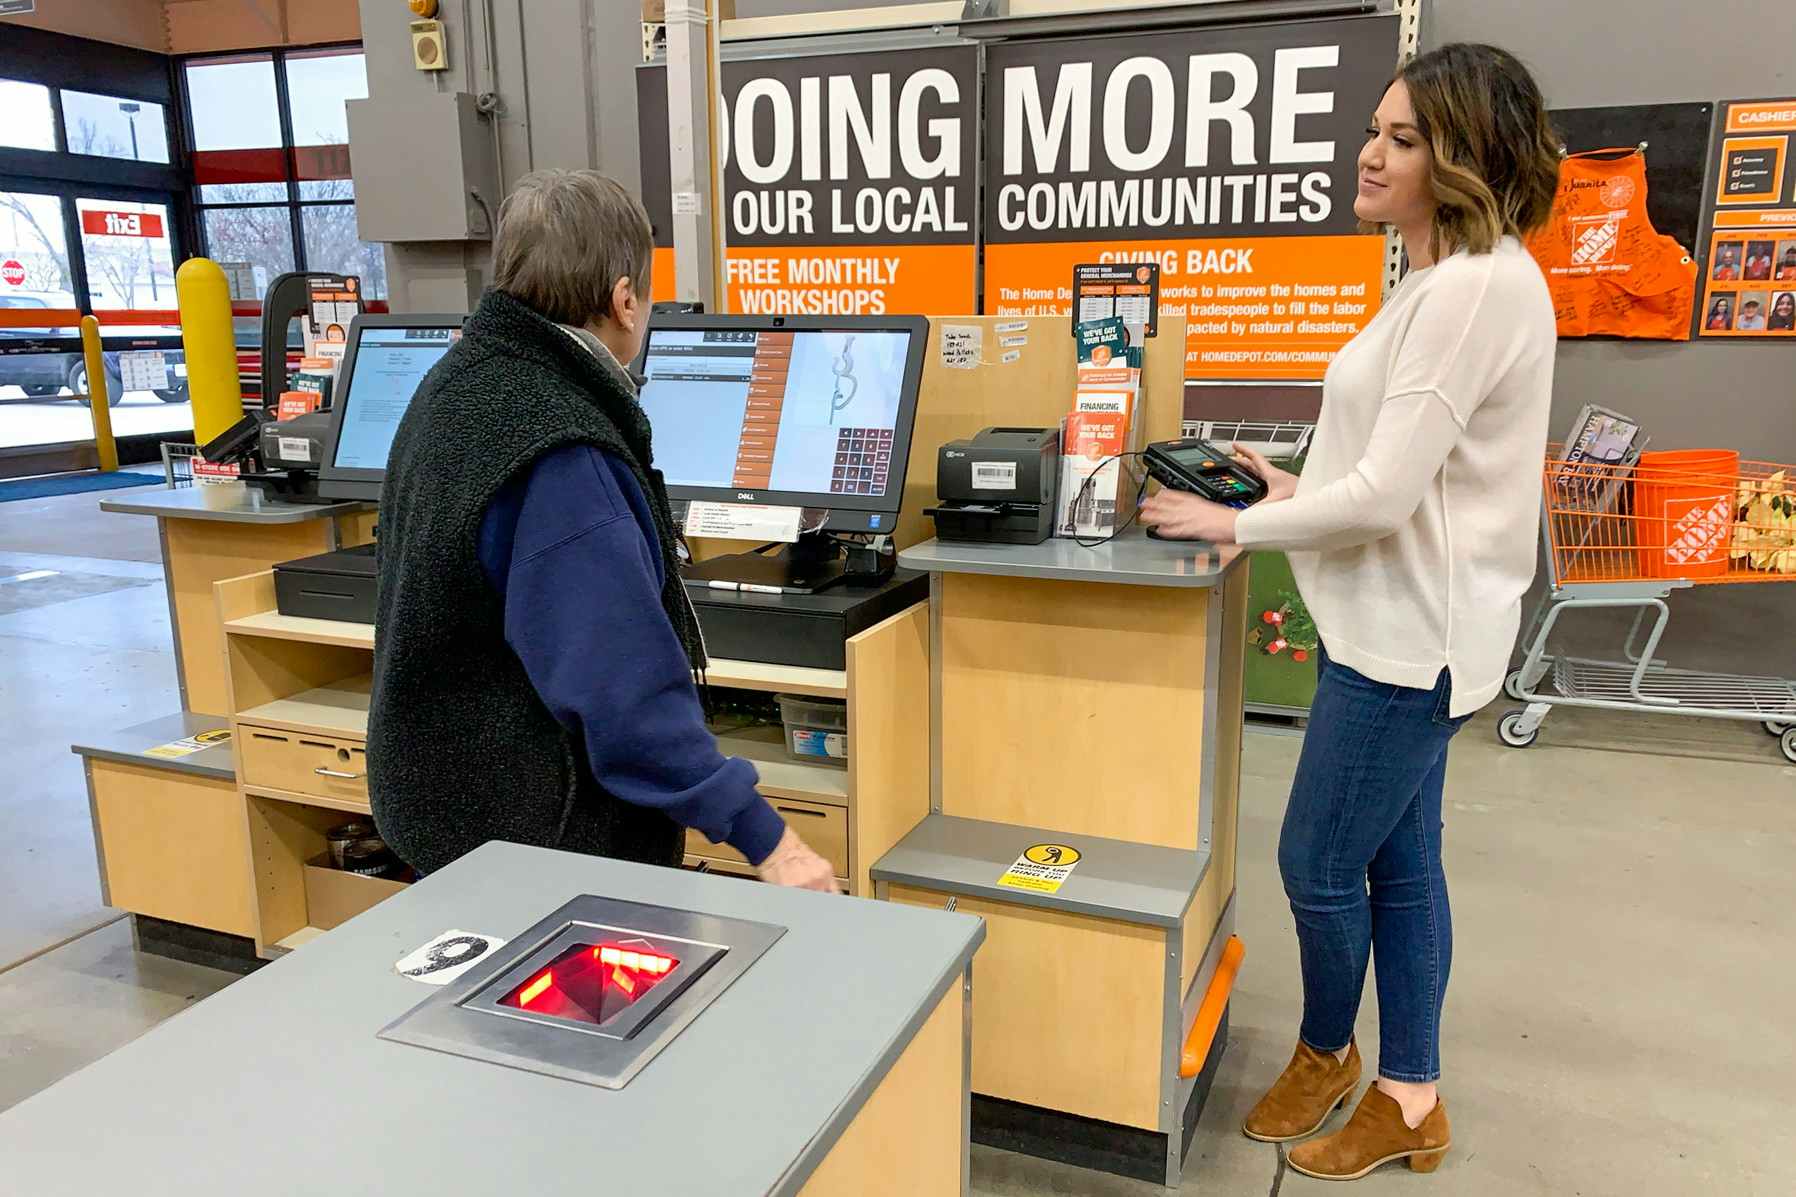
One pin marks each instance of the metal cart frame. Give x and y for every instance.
(1641, 681)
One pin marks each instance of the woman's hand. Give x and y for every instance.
(1180, 515)
(1280, 484)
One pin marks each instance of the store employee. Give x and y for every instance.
(534, 654)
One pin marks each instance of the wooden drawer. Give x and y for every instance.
(824, 828)
(303, 763)
(333, 897)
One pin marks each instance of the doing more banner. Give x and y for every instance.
(848, 182)
(1228, 156)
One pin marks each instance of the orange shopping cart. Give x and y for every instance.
(1626, 534)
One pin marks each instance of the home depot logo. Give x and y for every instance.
(1597, 237)
(1697, 530)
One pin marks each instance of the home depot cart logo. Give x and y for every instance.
(1697, 530)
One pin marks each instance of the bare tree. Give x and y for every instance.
(87, 140)
(54, 251)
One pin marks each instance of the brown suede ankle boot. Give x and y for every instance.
(1375, 1135)
(1304, 1095)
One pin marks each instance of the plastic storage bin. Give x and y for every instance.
(816, 729)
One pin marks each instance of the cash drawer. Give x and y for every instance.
(305, 764)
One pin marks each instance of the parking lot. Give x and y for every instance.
(50, 421)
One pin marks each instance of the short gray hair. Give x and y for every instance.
(565, 238)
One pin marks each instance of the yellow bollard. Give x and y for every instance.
(205, 301)
(99, 403)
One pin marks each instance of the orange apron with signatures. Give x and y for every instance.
(1611, 273)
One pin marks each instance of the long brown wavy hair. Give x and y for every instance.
(1496, 156)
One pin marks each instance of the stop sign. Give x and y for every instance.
(13, 271)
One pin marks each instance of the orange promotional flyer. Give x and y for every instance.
(1228, 156)
(1750, 288)
(1610, 271)
(849, 182)
(1256, 307)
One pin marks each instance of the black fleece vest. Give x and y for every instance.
(461, 750)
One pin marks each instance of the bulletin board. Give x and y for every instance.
(1749, 280)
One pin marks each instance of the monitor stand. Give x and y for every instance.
(814, 563)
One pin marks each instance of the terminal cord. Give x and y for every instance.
(1134, 511)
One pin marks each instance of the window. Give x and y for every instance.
(130, 261)
(34, 276)
(273, 184)
(233, 104)
(28, 124)
(34, 250)
(332, 244)
(113, 127)
(261, 236)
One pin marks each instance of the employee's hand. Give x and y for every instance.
(793, 863)
(1180, 515)
(1280, 484)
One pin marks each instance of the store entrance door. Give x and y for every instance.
(65, 251)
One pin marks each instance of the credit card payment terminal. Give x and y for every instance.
(1205, 470)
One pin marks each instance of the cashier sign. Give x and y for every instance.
(1042, 868)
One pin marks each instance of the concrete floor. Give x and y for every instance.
(1619, 1016)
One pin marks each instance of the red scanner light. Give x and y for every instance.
(536, 988)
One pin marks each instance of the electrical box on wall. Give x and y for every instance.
(424, 168)
(430, 48)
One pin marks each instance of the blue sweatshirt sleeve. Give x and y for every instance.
(571, 549)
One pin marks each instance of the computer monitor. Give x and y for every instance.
(793, 411)
(810, 412)
(388, 356)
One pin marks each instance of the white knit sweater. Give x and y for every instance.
(1414, 531)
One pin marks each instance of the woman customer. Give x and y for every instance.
(533, 668)
(1412, 534)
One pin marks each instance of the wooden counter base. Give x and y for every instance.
(907, 1139)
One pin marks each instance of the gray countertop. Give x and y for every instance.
(1132, 559)
(277, 1084)
(127, 745)
(1114, 879)
(230, 504)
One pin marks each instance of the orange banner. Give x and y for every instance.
(839, 281)
(1777, 218)
(1753, 118)
(1256, 307)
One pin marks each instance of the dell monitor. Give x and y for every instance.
(812, 412)
(388, 356)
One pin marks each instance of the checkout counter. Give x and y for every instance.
(1084, 751)
(1051, 742)
(834, 1062)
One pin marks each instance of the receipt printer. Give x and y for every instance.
(296, 444)
(998, 487)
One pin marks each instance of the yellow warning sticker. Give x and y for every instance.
(176, 749)
(1042, 868)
